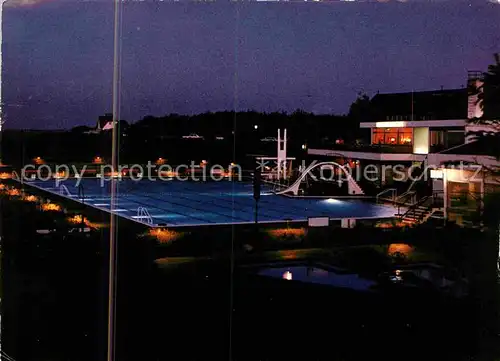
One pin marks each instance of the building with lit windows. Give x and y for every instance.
(422, 131)
(407, 127)
(418, 121)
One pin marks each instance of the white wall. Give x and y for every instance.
(415, 124)
(436, 159)
(437, 185)
(421, 140)
(390, 157)
(486, 128)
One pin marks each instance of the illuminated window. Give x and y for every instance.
(394, 136)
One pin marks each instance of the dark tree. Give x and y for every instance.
(489, 100)
(490, 96)
(81, 129)
(360, 109)
(488, 93)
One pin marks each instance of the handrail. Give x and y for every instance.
(404, 196)
(429, 215)
(420, 202)
(391, 190)
(63, 189)
(421, 175)
(414, 206)
(401, 200)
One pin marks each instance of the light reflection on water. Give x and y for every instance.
(319, 276)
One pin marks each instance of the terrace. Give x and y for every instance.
(371, 152)
(381, 148)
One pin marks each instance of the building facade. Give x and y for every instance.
(425, 130)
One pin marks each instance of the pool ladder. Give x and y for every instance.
(143, 213)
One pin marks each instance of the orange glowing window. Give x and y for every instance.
(393, 136)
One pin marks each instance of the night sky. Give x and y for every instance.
(183, 57)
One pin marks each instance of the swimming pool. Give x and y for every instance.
(178, 203)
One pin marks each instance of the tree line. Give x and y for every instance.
(224, 133)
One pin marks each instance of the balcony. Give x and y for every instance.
(372, 148)
(379, 148)
(377, 152)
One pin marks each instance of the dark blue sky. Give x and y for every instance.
(181, 58)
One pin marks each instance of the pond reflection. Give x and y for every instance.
(319, 275)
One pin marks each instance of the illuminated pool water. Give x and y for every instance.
(177, 203)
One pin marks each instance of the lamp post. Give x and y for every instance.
(1, 111)
(256, 193)
(114, 163)
(2, 2)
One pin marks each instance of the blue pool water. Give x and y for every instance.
(177, 203)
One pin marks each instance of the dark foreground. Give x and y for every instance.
(54, 299)
(54, 307)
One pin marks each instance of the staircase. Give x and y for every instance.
(420, 211)
(416, 215)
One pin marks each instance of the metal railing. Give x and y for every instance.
(474, 74)
(403, 198)
(411, 211)
(428, 202)
(143, 213)
(372, 148)
(431, 213)
(392, 197)
(64, 191)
